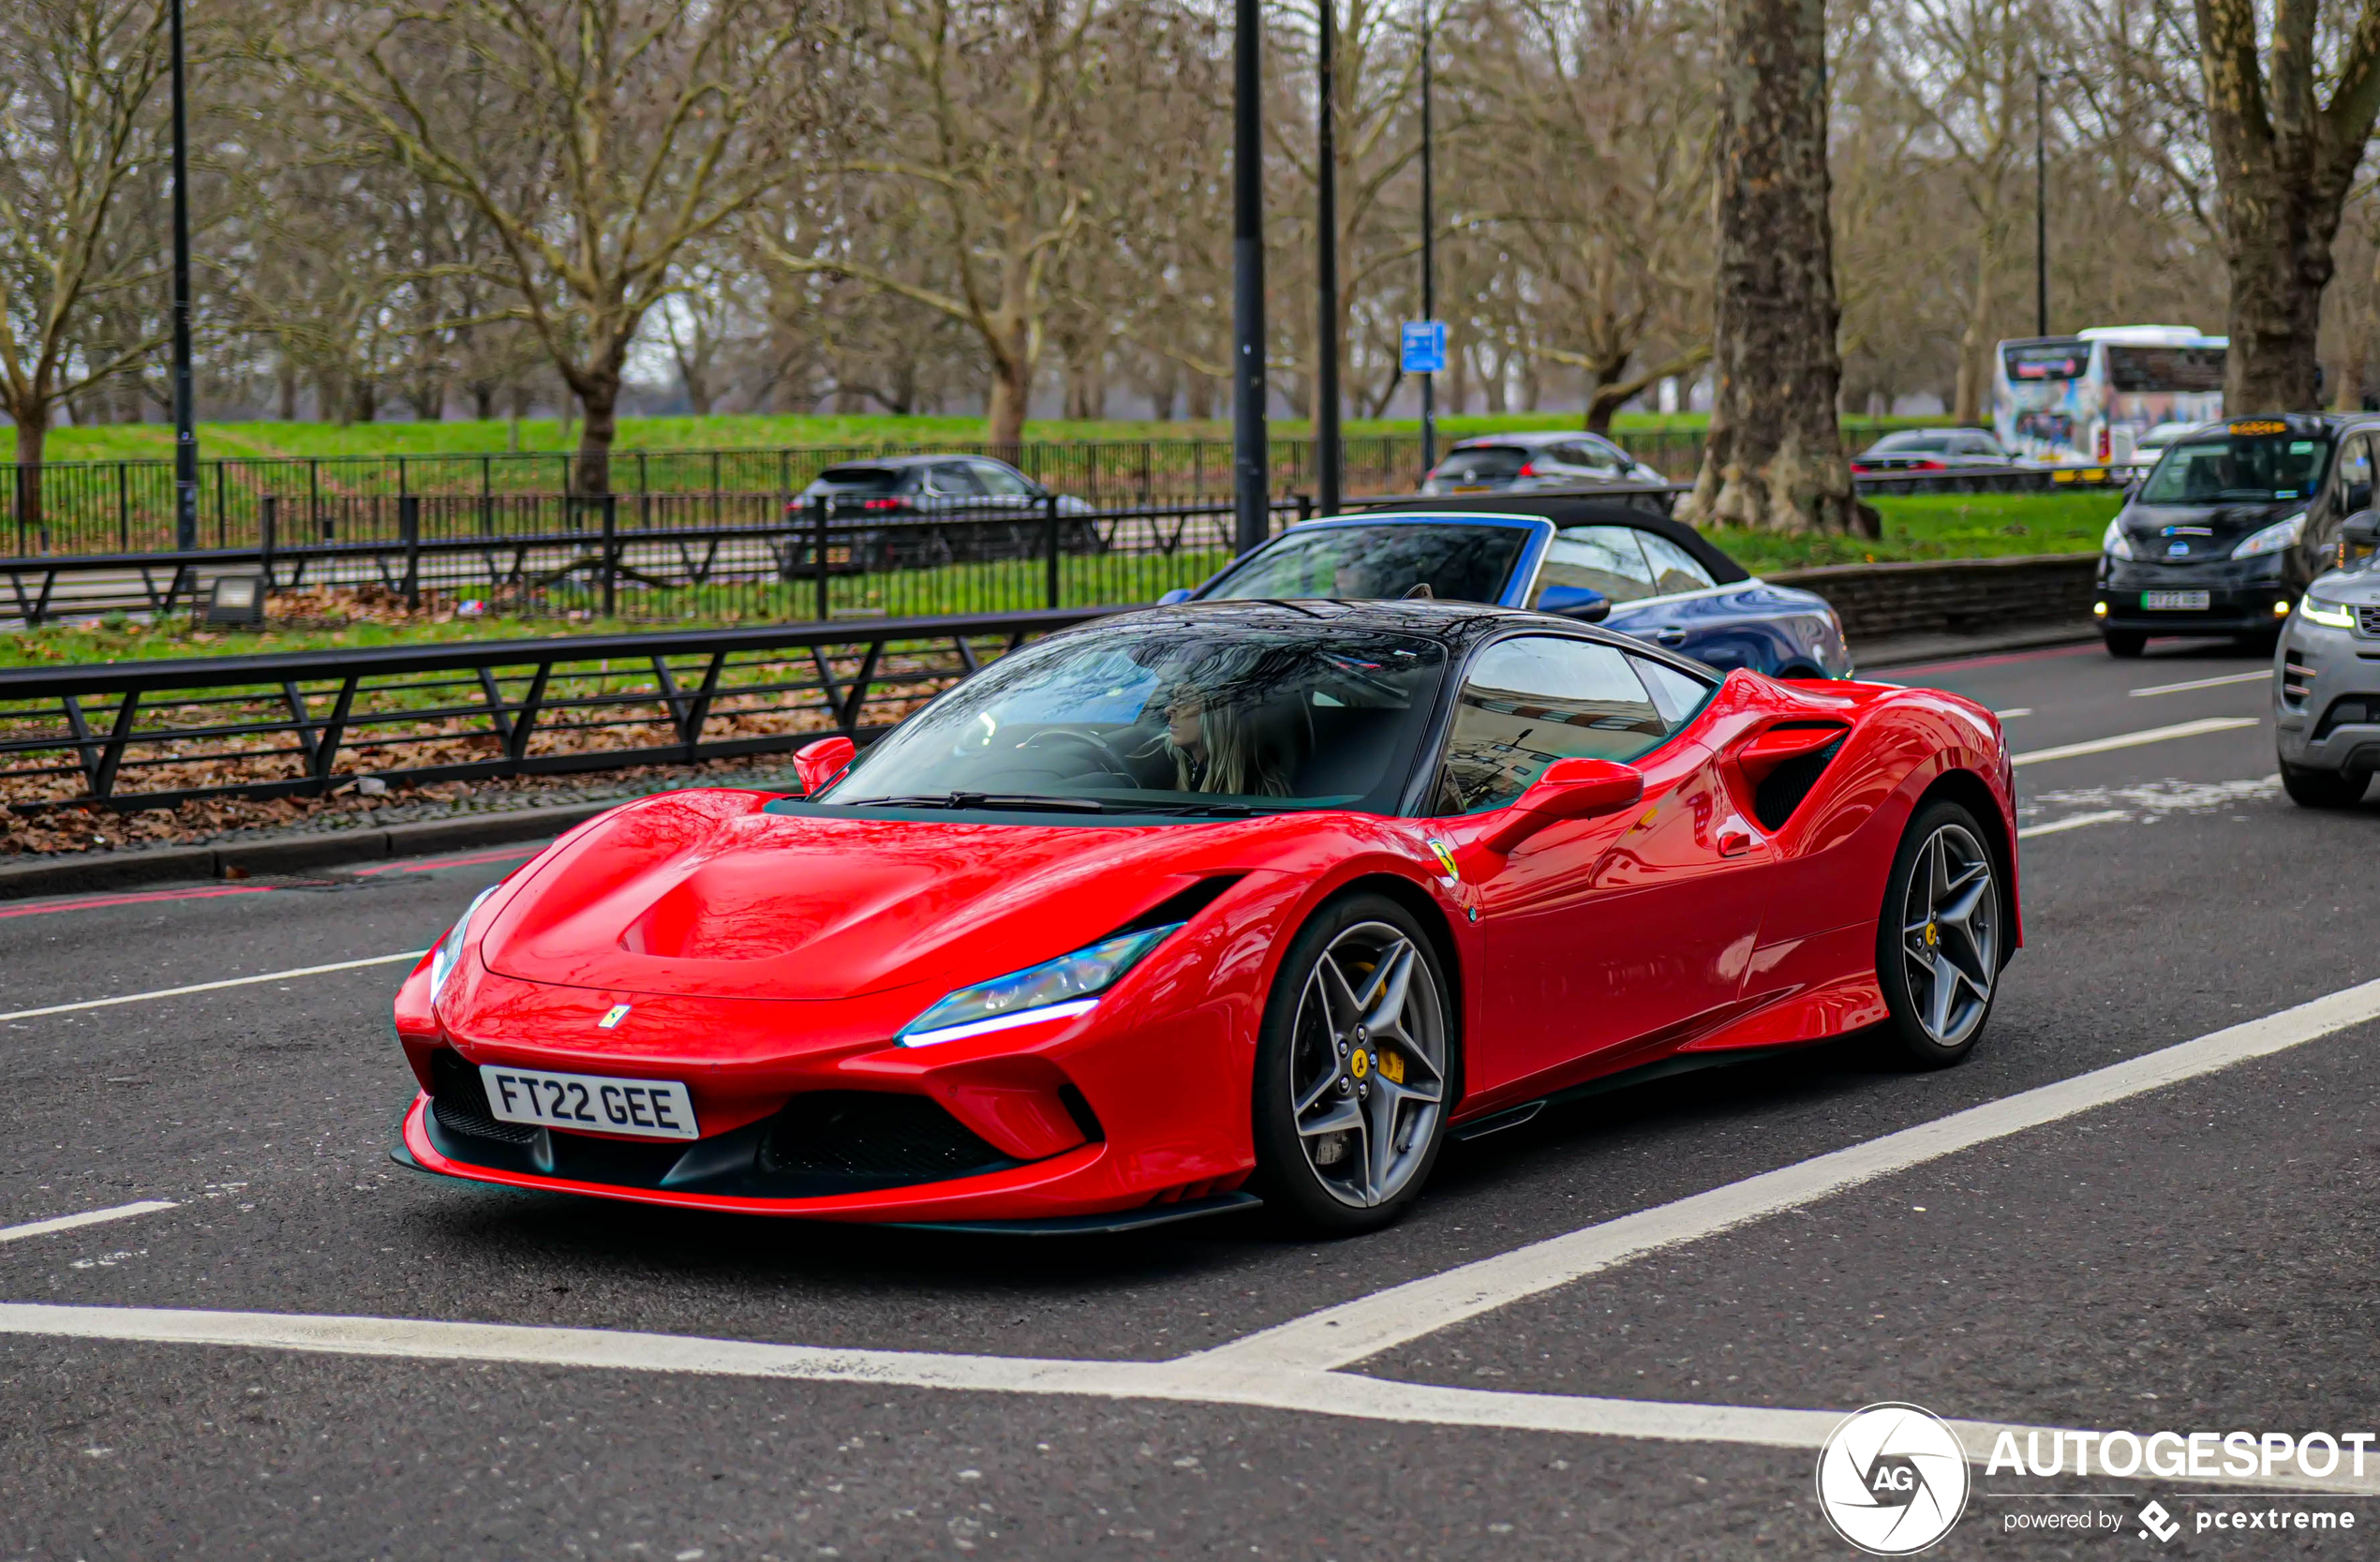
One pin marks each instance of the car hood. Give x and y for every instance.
(703, 893)
(2356, 587)
(2200, 530)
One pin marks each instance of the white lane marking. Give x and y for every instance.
(1183, 1382)
(2262, 675)
(2074, 821)
(211, 986)
(2014, 710)
(1354, 1330)
(2134, 739)
(91, 1217)
(1193, 1379)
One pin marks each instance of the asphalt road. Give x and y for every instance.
(2197, 1257)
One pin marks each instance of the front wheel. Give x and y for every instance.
(2124, 643)
(1355, 1069)
(2324, 788)
(1937, 947)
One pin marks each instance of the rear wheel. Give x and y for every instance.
(2324, 788)
(1355, 1069)
(2124, 642)
(1938, 944)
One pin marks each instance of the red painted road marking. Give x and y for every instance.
(431, 865)
(95, 902)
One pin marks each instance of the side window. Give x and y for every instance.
(1529, 701)
(2355, 471)
(1609, 455)
(1677, 695)
(1604, 559)
(952, 477)
(998, 480)
(1673, 569)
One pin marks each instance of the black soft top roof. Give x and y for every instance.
(1566, 509)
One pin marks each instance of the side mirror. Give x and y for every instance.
(2361, 529)
(820, 762)
(1588, 607)
(1569, 789)
(1180, 593)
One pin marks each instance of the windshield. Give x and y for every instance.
(2039, 361)
(1195, 718)
(1483, 464)
(1458, 562)
(2237, 469)
(2166, 368)
(1909, 442)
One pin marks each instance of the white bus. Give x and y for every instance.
(2084, 399)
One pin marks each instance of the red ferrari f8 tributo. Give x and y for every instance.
(1197, 904)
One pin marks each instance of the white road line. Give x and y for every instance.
(93, 1217)
(2014, 710)
(2134, 739)
(2071, 822)
(2262, 675)
(1192, 1380)
(1354, 1330)
(211, 986)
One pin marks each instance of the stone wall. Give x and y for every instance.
(1958, 596)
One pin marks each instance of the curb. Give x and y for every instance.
(1903, 650)
(87, 873)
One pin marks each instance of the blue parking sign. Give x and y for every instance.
(1424, 347)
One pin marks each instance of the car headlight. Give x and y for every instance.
(2333, 614)
(1054, 989)
(2114, 543)
(2272, 539)
(449, 952)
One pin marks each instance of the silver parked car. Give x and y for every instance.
(1550, 461)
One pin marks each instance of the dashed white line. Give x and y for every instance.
(213, 987)
(1355, 1330)
(2262, 675)
(2134, 739)
(89, 1218)
(2014, 710)
(2072, 822)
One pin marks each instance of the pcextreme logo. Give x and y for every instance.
(1892, 1478)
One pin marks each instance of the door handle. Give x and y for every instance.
(1671, 636)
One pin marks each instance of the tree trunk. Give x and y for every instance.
(33, 431)
(599, 398)
(1198, 399)
(285, 385)
(2278, 243)
(1974, 348)
(1011, 389)
(1775, 459)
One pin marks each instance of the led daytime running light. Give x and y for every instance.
(449, 953)
(1054, 989)
(2333, 614)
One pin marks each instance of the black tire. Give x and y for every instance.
(2324, 788)
(2126, 643)
(1295, 1056)
(1928, 1027)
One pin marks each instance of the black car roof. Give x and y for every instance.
(1564, 510)
(1456, 625)
(912, 460)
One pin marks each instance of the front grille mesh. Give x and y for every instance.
(461, 1105)
(873, 1134)
(2368, 619)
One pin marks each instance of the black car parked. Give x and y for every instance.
(916, 511)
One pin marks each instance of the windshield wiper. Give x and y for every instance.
(984, 799)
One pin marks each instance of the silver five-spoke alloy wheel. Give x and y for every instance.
(1950, 934)
(1367, 1071)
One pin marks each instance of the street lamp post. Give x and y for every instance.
(1429, 268)
(186, 438)
(1251, 452)
(2041, 205)
(1326, 357)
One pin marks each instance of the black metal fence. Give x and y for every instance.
(128, 506)
(154, 734)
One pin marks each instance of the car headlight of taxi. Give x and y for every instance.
(2113, 542)
(2330, 615)
(2272, 539)
(449, 953)
(1054, 989)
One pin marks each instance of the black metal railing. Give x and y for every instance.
(155, 734)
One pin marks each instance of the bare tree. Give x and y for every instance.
(1775, 459)
(598, 138)
(75, 80)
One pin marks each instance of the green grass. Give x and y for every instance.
(746, 431)
(1943, 526)
(119, 639)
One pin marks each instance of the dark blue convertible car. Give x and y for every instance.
(1597, 561)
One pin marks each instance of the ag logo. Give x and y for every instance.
(1892, 1479)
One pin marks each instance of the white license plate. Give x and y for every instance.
(2187, 602)
(648, 1109)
